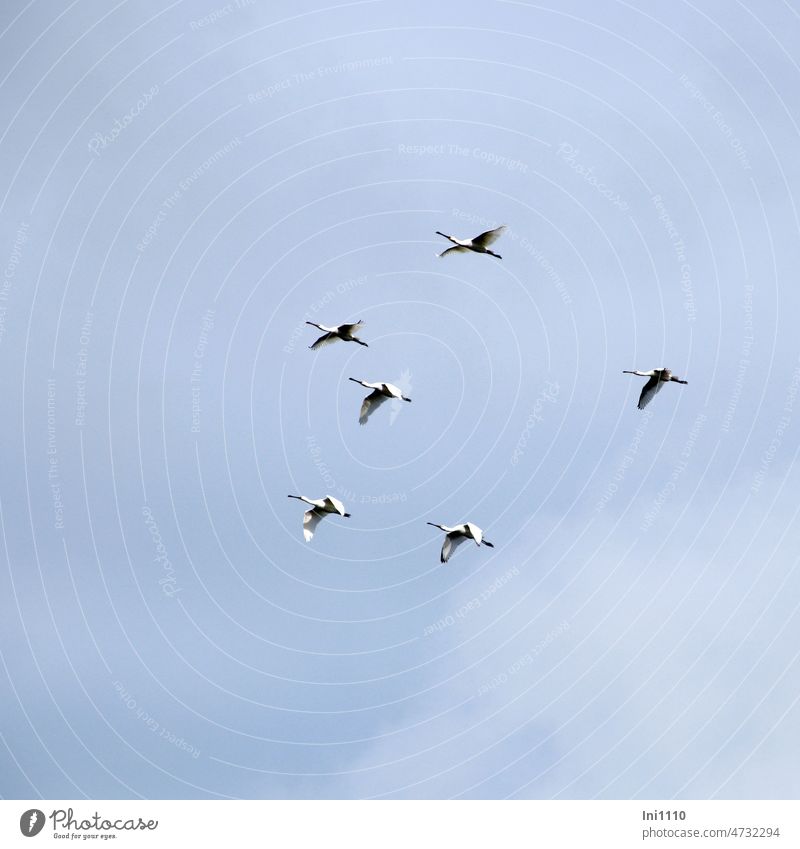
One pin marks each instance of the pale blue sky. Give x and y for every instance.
(184, 187)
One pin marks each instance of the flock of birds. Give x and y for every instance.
(382, 391)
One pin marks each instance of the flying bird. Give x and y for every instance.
(345, 332)
(478, 244)
(658, 377)
(456, 535)
(380, 392)
(320, 507)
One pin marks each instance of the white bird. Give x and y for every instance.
(380, 392)
(456, 535)
(478, 244)
(658, 377)
(319, 508)
(345, 332)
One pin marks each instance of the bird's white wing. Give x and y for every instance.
(311, 518)
(650, 389)
(349, 329)
(337, 505)
(455, 249)
(451, 543)
(489, 237)
(390, 387)
(371, 403)
(477, 533)
(325, 339)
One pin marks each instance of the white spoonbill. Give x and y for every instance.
(456, 535)
(319, 508)
(380, 392)
(658, 377)
(345, 332)
(478, 244)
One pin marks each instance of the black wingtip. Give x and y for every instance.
(490, 544)
(345, 515)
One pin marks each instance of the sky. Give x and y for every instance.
(185, 186)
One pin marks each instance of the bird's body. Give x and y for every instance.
(345, 332)
(320, 507)
(457, 534)
(658, 377)
(478, 244)
(380, 392)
